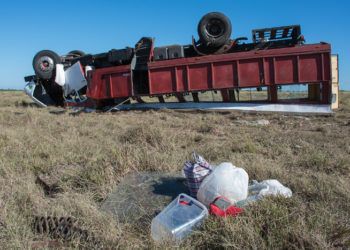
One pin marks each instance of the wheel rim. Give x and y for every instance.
(46, 64)
(215, 28)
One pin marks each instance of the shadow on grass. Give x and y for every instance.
(170, 186)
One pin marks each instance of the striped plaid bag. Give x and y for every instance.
(195, 172)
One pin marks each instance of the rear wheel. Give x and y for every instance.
(214, 29)
(44, 64)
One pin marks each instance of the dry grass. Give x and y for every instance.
(89, 154)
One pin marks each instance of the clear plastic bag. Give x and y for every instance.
(268, 188)
(259, 190)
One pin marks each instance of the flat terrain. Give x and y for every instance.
(87, 155)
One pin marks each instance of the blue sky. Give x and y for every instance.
(98, 26)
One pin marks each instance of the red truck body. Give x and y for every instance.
(302, 64)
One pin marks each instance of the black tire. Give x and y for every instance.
(77, 53)
(214, 29)
(44, 64)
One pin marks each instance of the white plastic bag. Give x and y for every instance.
(226, 180)
(268, 188)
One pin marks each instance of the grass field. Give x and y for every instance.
(89, 154)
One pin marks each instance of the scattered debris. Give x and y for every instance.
(224, 190)
(54, 226)
(302, 118)
(178, 219)
(58, 111)
(253, 123)
(76, 111)
(64, 228)
(262, 122)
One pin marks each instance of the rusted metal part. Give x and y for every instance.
(64, 228)
(222, 50)
(225, 48)
(195, 47)
(54, 226)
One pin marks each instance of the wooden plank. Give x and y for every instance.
(335, 81)
(335, 96)
(335, 69)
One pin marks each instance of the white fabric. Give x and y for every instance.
(226, 180)
(60, 75)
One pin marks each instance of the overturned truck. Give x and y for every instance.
(275, 57)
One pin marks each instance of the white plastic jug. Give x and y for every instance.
(178, 219)
(226, 180)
